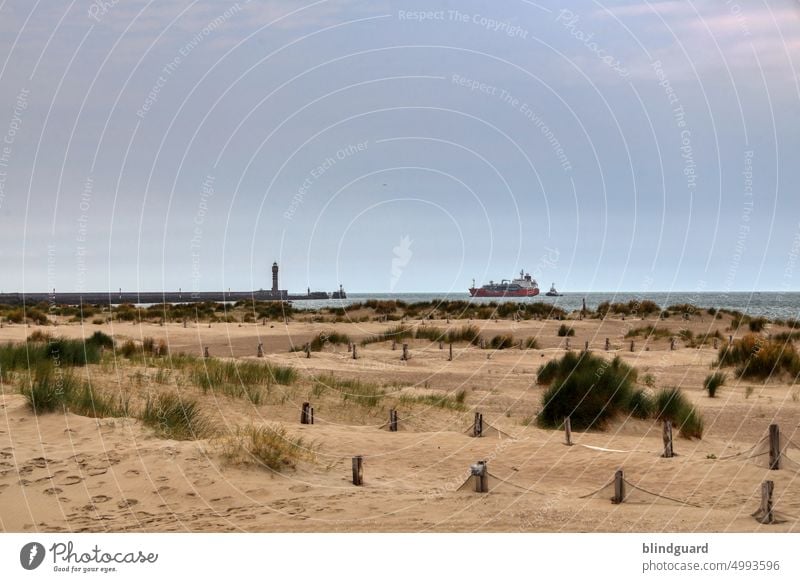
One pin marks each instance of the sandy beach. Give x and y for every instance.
(65, 472)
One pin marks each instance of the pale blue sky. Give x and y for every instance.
(493, 136)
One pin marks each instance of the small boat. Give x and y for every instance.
(553, 292)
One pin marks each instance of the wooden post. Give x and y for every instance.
(671, 343)
(632, 345)
(715, 343)
(308, 349)
(404, 357)
(205, 352)
(392, 420)
(480, 476)
(608, 344)
(307, 414)
(349, 347)
(774, 447)
(766, 513)
(566, 346)
(358, 470)
(394, 345)
(730, 340)
(586, 346)
(667, 437)
(450, 357)
(260, 350)
(619, 487)
(355, 354)
(477, 425)
(441, 345)
(568, 431)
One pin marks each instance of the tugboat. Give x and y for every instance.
(524, 286)
(553, 292)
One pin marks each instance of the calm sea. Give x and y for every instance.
(776, 305)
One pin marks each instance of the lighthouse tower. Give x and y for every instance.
(275, 278)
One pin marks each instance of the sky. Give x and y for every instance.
(399, 146)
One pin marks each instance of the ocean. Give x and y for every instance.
(774, 305)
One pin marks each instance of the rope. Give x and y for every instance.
(597, 491)
(661, 496)
(507, 482)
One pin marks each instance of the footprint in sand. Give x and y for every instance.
(3, 486)
(53, 491)
(300, 488)
(100, 498)
(71, 480)
(39, 462)
(162, 478)
(125, 503)
(203, 482)
(96, 471)
(132, 473)
(165, 489)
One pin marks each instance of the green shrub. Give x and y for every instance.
(672, 405)
(501, 342)
(324, 339)
(758, 357)
(531, 343)
(588, 389)
(713, 382)
(351, 390)
(640, 404)
(565, 331)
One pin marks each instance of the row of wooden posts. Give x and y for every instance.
(669, 452)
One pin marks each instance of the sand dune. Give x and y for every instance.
(63, 472)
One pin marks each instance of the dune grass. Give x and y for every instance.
(176, 418)
(649, 332)
(268, 446)
(353, 390)
(565, 331)
(53, 389)
(446, 401)
(672, 405)
(759, 357)
(239, 379)
(588, 389)
(324, 339)
(712, 383)
(501, 342)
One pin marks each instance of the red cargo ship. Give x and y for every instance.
(524, 286)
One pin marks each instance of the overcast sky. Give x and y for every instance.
(602, 146)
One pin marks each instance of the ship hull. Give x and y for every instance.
(481, 292)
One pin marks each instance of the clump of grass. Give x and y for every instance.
(175, 418)
(565, 331)
(267, 446)
(59, 351)
(240, 379)
(54, 389)
(531, 343)
(356, 391)
(758, 357)
(501, 342)
(396, 333)
(39, 336)
(101, 339)
(649, 332)
(49, 389)
(454, 402)
(324, 339)
(757, 324)
(713, 382)
(649, 380)
(672, 405)
(588, 389)
(640, 404)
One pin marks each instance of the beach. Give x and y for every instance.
(62, 471)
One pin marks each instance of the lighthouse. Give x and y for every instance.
(275, 277)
